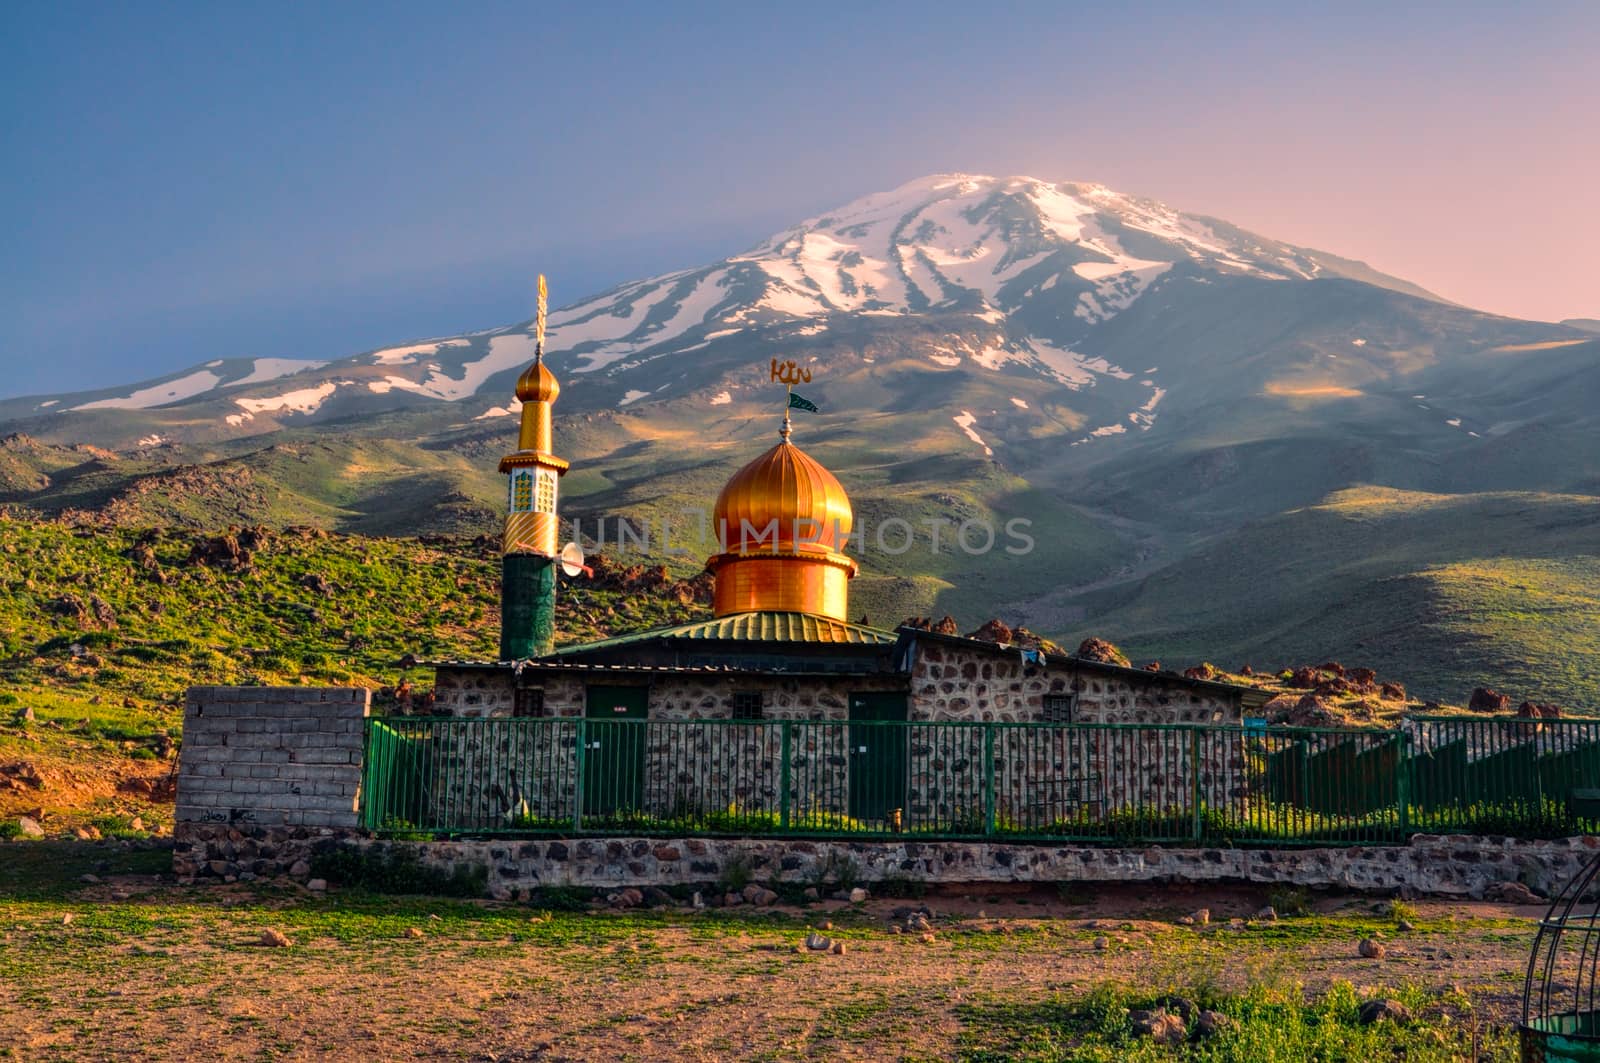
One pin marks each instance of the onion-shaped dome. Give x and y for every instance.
(783, 502)
(783, 522)
(537, 383)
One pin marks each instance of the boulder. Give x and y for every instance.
(1385, 1009)
(1093, 649)
(1371, 949)
(1210, 1023)
(1160, 1025)
(993, 631)
(1511, 893)
(274, 939)
(30, 827)
(1486, 700)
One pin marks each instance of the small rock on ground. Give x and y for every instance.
(1209, 1023)
(274, 939)
(1371, 949)
(1378, 1010)
(1160, 1025)
(1201, 916)
(317, 885)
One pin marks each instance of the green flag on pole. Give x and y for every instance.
(796, 402)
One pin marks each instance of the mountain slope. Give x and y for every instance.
(1148, 388)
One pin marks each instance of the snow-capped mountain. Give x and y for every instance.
(982, 246)
(1022, 275)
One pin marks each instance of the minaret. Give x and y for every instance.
(532, 529)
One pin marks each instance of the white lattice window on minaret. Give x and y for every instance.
(522, 492)
(546, 502)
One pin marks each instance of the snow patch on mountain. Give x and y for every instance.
(303, 400)
(965, 421)
(414, 353)
(265, 369)
(185, 387)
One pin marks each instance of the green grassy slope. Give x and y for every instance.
(1448, 591)
(149, 620)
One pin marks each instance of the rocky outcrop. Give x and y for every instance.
(1093, 649)
(1486, 700)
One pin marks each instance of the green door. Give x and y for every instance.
(877, 755)
(613, 757)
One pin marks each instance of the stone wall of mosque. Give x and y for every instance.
(1060, 775)
(1045, 779)
(480, 693)
(529, 769)
(957, 683)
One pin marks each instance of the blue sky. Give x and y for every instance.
(191, 181)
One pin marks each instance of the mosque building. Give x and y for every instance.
(779, 645)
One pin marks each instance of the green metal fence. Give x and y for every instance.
(1028, 782)
(1041, 782)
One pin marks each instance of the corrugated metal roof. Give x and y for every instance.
(582, 667)
(752, 627)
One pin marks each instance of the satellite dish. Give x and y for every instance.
(571, 559)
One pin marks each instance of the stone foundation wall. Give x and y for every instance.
(272, 755)
(1453, 866)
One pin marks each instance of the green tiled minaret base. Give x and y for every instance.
(527, 606)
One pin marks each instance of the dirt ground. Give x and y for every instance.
(134, 967)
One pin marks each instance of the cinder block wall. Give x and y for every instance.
(272, 756)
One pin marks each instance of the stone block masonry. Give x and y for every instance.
(272, 756)
(1443, 866)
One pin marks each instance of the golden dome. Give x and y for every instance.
(788, 486)
(537, 383)
(782, 521)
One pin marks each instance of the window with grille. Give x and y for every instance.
(527, 701)
(522, 492)
(547, 491)
(747, 705)
(1060, 708)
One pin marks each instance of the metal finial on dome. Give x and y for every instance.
(788, 427)
(539, 315)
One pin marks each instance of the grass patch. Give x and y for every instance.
(1265, 1023)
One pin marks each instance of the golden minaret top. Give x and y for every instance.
(532, 525)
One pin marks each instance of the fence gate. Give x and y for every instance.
(877, 755)
(613, 762)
